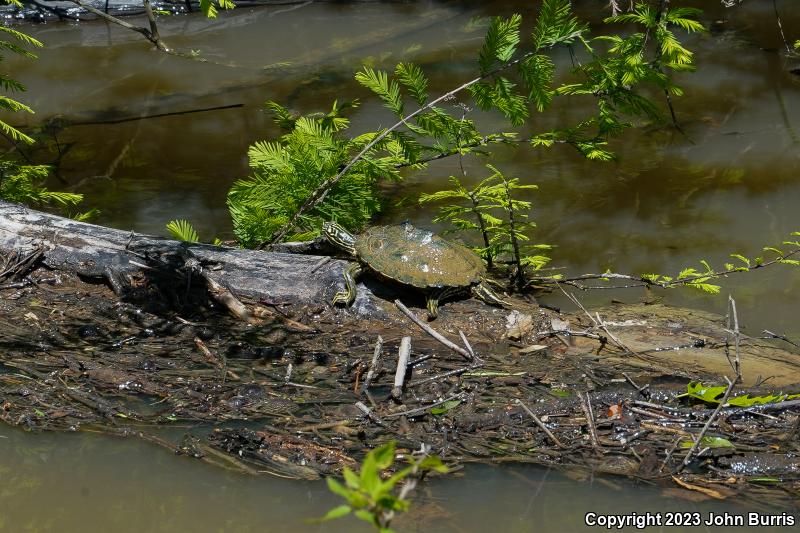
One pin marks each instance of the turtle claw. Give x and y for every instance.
(433, 306)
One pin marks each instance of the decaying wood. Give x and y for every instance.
(116, 257)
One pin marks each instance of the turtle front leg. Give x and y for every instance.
(482, 292)
(433, 304)
(436, 296)
(347, 296)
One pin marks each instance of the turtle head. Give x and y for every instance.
(339, 237)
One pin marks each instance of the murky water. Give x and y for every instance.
(730, 185)
(86, 483)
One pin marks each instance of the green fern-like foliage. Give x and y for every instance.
(9, 39)
(24, 184)
(613, 76)
(433, 131)
(287, 171)
(555, 26)
(314, 172)
(182, 230)
(209, 7)
(699, 279)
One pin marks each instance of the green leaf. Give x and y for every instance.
(210, 10)
(556, 25)
(369, 477)
(709, 442)
(336, 512)
(337, 488)
(351, 479)
(433, 462)
(741, 258)
(378, 82)
(537, 72)
(446, 406)
(384, 455)
(713, 395)
(764, 480)
(368, 517)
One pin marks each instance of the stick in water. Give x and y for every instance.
(430, 331)
(373, 366)
(402, 365)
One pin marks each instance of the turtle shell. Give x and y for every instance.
(418, 257)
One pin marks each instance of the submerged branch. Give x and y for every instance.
(149, 34)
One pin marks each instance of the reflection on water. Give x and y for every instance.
(730, 184)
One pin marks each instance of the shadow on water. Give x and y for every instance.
(668, 201)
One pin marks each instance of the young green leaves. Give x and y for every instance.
(698, 279)
(182, 230)
(370, 495)
(492, 209)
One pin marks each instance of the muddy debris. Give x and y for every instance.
(275, 399)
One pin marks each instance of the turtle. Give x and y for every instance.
(412, 257)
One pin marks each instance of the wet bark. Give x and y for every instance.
(117, 257)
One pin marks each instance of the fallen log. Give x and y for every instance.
(116, 257)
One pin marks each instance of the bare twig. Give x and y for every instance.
(736, 364)
(596, 320)
(668, 455)
(369, 414)
(443, 375)
(403, 355)
(587, 410)
(780, 27)
(468, 346)
(432, 332)
(711, 419)
(541, 424)
(420, 410)
(642, 390)
(644, 282)
(781, 337)
(148, 34)
(208, 354)
(17, 267)
(373, 366)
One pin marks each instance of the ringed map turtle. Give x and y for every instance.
(413, 257)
